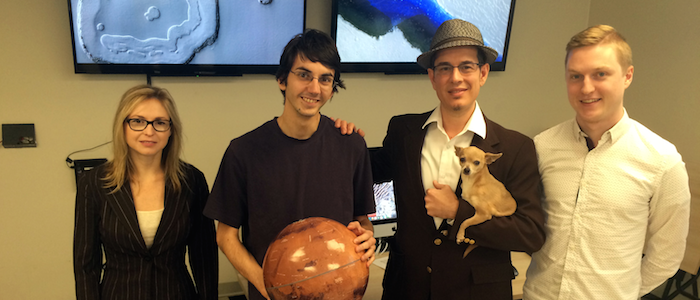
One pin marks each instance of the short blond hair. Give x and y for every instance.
(121, 167)
(602, 34)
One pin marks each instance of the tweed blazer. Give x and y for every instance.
(107, 223)
(424, 263)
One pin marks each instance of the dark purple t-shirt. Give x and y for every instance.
(268, 180)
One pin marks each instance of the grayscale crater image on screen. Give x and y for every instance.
(146, 32)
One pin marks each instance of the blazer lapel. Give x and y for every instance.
(175, 203)
(487, 145)
(123, 205)
(413, 144)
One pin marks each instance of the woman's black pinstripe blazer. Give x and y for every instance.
(108, 222)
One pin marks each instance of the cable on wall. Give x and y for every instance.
(69, 161)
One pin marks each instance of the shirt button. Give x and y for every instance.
(430, 270)
(437, 242)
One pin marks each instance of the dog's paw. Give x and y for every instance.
(460, 240)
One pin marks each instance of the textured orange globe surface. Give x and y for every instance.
(314, 258)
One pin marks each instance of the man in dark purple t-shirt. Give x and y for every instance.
(292, 167)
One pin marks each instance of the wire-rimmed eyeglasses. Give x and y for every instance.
(324, 80)
(141, 124)
(465, 68)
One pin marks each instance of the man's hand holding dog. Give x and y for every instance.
(365, 241)
(441, 201)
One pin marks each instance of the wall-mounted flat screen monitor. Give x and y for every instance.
(182, 37)
(388, 35)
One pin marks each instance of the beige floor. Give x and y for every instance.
(376, 274)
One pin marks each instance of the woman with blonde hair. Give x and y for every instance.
(143, 210)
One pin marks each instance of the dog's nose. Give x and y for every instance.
(466, 171)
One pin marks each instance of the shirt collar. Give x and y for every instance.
(614, 133)
(476, 123)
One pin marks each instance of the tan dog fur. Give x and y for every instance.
(485, 193)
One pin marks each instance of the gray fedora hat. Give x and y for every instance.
(454, 33)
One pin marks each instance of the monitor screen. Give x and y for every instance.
(183, 37)
(388, 35)
(384, 220)
(385, 203)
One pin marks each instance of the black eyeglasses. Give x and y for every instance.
(324, 80)
(465, 68)
(141, 124)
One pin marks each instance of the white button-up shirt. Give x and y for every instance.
(438, 159)
(605, 208)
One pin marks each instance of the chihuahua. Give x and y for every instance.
(485, 193)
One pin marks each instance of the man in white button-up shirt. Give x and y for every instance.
(617, 199)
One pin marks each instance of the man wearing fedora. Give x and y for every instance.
(418, 154)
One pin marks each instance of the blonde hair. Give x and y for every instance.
(602, 34)
(121, 167)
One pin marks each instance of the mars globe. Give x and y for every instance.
(314, 258)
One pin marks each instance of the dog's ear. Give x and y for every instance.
(490, 157)
(458, 150)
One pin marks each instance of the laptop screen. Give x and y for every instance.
(385, 202)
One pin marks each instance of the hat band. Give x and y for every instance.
(479, 43)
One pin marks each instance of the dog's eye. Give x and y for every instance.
(462, 159)
(476, 162)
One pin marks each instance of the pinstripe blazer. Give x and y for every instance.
(108, 222)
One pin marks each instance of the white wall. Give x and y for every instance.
(73, 112)
(665, 41)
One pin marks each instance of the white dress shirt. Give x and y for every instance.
(438, 159)
(604, 209)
